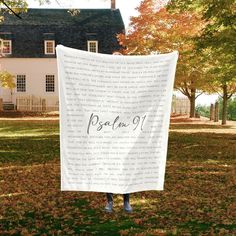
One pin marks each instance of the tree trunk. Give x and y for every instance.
(224, 108)
(216, 115)
(212, 112)
(192, 103)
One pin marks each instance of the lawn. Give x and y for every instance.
(199, 195)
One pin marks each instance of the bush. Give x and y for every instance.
(203, 110)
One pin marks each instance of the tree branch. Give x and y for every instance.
(58, 3)
(186, 90)
(17, 15)
(216, 91)
(199, 95)
(230, 95)
(183, 91)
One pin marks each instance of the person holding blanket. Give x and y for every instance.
(126, 196)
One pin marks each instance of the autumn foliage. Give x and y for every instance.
(198, 197)
(158, 30)
(203, 31)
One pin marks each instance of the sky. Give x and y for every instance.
(127, 9)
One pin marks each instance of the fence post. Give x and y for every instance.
(216, 118)
(40, 104)
(30, 97)
(43, 104)
(212, 115)
(16, 103)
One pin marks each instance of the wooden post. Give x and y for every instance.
(31, 103)
(216, 118)
(212, 115)
(43, 104)
(40, 104)
(16, 103)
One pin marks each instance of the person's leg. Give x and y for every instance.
(109, 197)
(127, 206)
(109, 204)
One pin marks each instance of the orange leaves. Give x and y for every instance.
(124, 232)
(151, 6)
(167, 31)
(138, 221)
(198, 198)
(163, 31)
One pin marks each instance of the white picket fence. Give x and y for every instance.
(51, 103)
(36, 103)
(180, 106)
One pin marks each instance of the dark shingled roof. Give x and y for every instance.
(38, 24)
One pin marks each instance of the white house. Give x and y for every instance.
(29, 49)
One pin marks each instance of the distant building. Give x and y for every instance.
(29, 49)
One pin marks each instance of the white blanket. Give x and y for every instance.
(114, 120)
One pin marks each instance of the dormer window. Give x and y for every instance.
(92, 46)
(6, 47)
(49, 47)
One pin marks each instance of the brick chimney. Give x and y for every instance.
(113, 4)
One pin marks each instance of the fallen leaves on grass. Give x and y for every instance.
(199, 195)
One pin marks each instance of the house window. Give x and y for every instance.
(6, 46)
(49, 47)
(20, 83)
(50, 83)
(93, 46)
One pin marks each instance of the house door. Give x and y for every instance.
(5, 93)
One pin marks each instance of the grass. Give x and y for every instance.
(23, 143)
(199, 195)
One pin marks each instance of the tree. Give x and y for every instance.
(7, 80)
(222, 77)
(12, 7)
(16, 6)
(231, 108)
(219, 38)
(217, 44)
(157, 30)
(190, 79)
